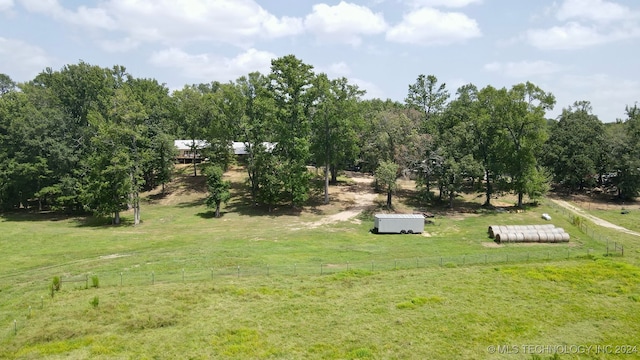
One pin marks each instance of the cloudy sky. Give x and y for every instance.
(576, 49)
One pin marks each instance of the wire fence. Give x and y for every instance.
(604, 246)
(612, 247)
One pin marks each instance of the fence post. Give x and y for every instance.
(395, 265)
(295, 268)
(153, 278)
(86, 281)
(371, 265)
(120, 278)
(485, 259)
(238, 271)
(183, 275)
(41, 302)
(211, 273)
(321, 269)
(440, 261)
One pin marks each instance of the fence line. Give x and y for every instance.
(612, 247)
(153, 277)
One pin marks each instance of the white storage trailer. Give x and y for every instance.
(398, 224)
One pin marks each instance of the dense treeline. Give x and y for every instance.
(86, 138)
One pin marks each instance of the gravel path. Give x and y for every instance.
(595, 219)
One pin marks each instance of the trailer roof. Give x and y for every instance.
(399, 216)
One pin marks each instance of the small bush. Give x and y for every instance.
(95, 282)
(576, 220)
(95, 302)
(56, 283)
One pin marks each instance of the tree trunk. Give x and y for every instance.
(116, 218)
(389, 198)
(520, 197)
(136, 208)
(451, 196)
(217, 210)
(334, 174)
(489, 189)
(326, 183)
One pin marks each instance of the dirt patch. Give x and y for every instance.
(358, 196)
(596, 220)
(113, 256)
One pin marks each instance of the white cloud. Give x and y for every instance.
(373, 91)
(122, 45)
(587, 23)
(6, 5)
(524, 69)
(592, 10)
(83, 16)
(576, 36)
(209, 67)
(335, 70)
(236, 22)
(444, 3)
(344, 23)
(427, 26)
(608, 95)
(22, 60)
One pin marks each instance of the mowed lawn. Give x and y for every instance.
(258, 285)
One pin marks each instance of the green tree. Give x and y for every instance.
(525, 126)
(258, 112)
(428, 97)
(386, 175)
(626, 151)
(575, 146)
(217, 187)
(488, 136)
(334, 120)
(6, 84)
(290, 82)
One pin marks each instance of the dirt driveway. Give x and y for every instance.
(362, 199)
(595, 219)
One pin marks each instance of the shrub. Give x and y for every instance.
(56, 283)
(95, 302)
(95, 282)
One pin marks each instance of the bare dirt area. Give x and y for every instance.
(358, 195)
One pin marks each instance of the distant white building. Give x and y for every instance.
(186, 149)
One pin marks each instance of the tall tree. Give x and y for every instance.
(575, 146)
(488, 139)
(428, 97)
(334, 120)
(626, 150)
(290, 82)
(258, 111)
(525, 126)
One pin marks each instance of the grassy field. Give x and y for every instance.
(258, 285)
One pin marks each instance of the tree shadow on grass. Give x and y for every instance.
(102, 221)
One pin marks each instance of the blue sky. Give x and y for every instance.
(576, 49)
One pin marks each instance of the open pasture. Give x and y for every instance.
(285, 285)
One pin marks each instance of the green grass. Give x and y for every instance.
(170, 288)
